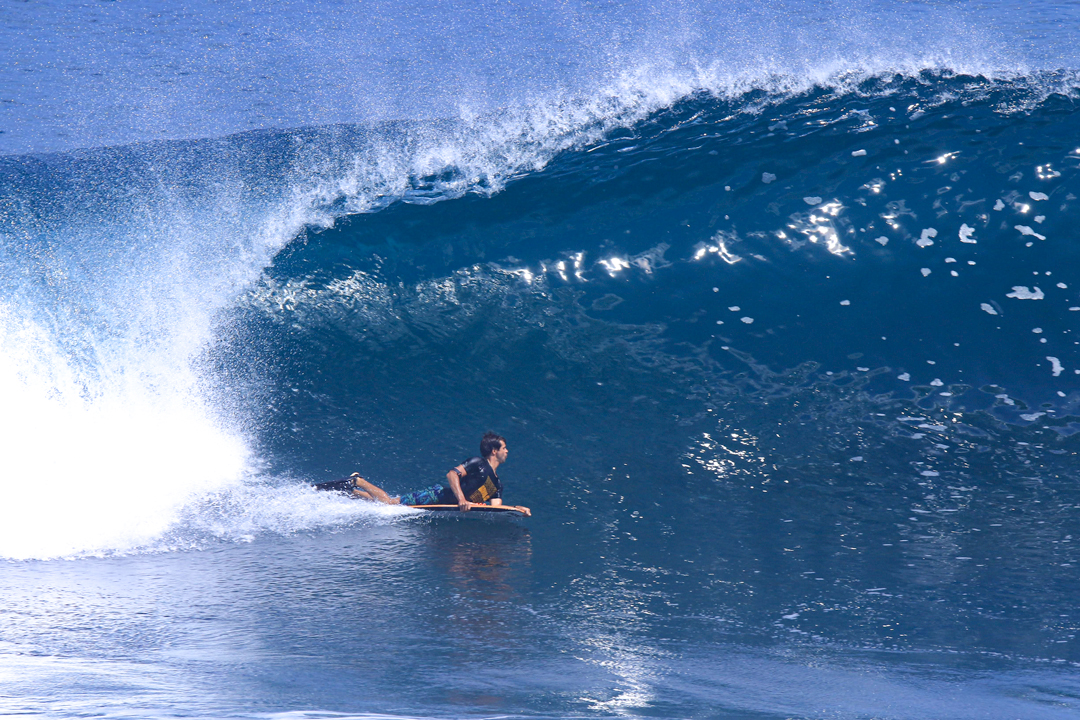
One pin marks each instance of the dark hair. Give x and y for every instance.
(490, 443)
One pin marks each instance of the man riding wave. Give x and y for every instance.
(472, 483)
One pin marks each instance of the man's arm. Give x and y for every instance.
(454, 478)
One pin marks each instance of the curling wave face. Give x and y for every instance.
(123, 266)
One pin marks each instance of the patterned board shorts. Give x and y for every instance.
(428, 496)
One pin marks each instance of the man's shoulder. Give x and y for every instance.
(473, 462)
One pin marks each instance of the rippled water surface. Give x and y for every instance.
(776, 308)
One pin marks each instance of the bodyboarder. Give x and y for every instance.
(473, 482)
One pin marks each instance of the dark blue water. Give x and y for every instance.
(776, 307)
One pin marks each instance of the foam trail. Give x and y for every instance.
(131, 466)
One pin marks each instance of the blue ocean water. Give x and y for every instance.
(776, 304)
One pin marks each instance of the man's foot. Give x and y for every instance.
(363, 488)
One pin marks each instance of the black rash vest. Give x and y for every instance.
(480, 483)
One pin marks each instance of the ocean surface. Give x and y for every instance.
(776, 303)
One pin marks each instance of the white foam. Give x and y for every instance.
(108, 468)
(1026, 230)
(1021, 292)
(967, 233)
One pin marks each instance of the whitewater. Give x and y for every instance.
(775, 303)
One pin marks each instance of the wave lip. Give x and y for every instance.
(377, 64)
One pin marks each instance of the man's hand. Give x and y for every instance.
(527, 511)
(453, 478)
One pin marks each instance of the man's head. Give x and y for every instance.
(491, 443)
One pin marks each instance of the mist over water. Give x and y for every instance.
(774, 302)
(137, 72)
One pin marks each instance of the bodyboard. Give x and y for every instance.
(511, 509)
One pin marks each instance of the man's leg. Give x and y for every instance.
(428, 496)
(373, 492)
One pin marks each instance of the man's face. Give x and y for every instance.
(500, 454)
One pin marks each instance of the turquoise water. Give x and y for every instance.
(775, 307)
